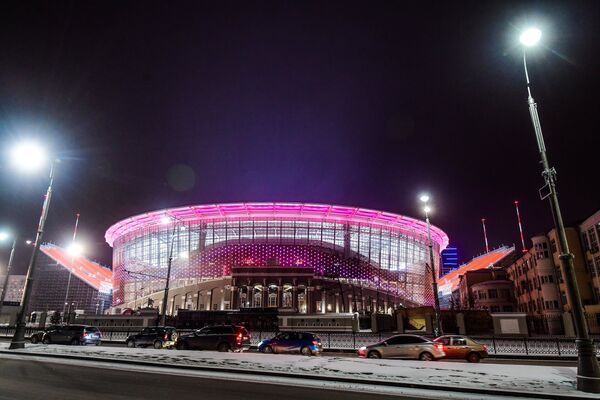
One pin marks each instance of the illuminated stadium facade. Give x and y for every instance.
(306, 258)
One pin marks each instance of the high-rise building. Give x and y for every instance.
(14, 290)
(66, 283)
(449, 260)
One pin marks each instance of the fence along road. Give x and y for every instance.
(549, 346)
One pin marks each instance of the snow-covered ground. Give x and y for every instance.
(521, 378)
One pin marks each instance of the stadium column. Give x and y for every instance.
(279, 295)
(234, 302)
(310, 306)
(295, 297)
(265, 294)
(249, 296)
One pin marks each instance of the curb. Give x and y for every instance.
(472, 390)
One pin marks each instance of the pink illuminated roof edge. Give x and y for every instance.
(282, 210)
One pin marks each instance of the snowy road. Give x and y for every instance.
(514, 378)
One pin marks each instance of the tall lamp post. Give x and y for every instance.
(437, 328)
(166, 219)
(588, 371)
(5, 236)
(29, 156)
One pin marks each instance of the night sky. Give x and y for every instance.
(160, 104)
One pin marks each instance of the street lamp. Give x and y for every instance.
(29, 156)
(167, 219)
(437, 328)
(5, 236)
(588, 370)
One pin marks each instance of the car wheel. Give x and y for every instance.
(267, 350)
(473, 357)
(223, 347)
(305, 351)
(157, 344)
(34, 339)
(75, 342)
(98, 343)
(374, 354)
(426, 356)
(131, 344)
(46, 341)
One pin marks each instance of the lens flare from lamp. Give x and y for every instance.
(165, 219)
(75, 249)
(4, 236)
(530, 37)
(28, 156)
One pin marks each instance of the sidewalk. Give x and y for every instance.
(515, 380)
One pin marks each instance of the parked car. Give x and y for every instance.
(462, 347)
(158, 337)
(218, 337)
(72, 334)
(404, 346)
(37, 337)
(292, 342)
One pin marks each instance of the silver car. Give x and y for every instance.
(404, 346)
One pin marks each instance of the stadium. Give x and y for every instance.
(295, 257)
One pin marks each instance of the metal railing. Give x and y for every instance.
(351, 341)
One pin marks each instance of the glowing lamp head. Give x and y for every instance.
(165, 219)
(427, 209)
(424, 198)
(530, 37)
(75, 249)
(4, 236)
(28, 156)
(28, 242)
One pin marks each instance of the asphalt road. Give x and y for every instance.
(29, 379)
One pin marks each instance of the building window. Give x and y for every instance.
(593, 240)
(494, 309)
(493, 293)
(272, 299)
(258, 299)
(555, 302)
(507, 309)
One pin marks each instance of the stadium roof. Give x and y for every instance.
(449, 282)
(277, 210)
(94, 274)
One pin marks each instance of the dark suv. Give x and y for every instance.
(219, 337)
(157, 337)
(72, 334)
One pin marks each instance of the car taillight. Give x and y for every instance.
(439, 346)
(166, 336)
(239, 337)
(316, 342)
(485, 347)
